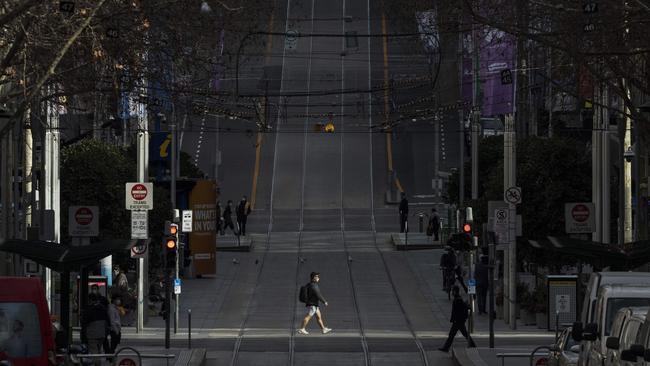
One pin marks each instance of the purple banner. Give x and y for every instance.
(496, 54)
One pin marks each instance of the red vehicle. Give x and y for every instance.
(26, 337)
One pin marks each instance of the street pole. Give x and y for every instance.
(174, 173)
(475, 113)
(491, 255)
(596, 165)
(627, 164)
(143, 176)
(27, 173)
(436, 158)
(52, 182)
(5, 182)
(510, 181)
(461, 157)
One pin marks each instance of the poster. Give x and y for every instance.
(202, 241)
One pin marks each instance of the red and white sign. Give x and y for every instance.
(83, 221)
(579, 218)
(139, 196)
(139, 192)
(83, 216)
(128, 361)
(580, 212)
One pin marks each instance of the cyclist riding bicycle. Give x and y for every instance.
(451, 271)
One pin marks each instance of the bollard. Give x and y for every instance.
(421, 222)
(189, 328)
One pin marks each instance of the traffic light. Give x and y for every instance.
(170, 244)
(467, 228)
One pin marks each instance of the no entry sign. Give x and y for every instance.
(83, 221)
(139, 196)
(579, 217)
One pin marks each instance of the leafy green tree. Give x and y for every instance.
(94, 173)
(550, 172)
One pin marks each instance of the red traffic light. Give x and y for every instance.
(467, 228)
(173, 229)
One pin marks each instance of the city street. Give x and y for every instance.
(385, 307)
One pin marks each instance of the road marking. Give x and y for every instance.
(260, 139)
(372, 187)
(389, 134)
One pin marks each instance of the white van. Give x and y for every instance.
(597, 280)
(610, 299)
(624, 333)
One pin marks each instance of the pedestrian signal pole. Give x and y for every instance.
(170, 247)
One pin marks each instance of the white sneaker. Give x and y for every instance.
(326, 330)
(303, 331)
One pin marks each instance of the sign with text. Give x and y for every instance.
(186, 221)
(139, 196)
(579, 218)
(202, 239)
(139, 225)
(83, 221)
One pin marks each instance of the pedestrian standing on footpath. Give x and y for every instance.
(310, 294)
(96, 321)
(220, 228)
(459, 314)
(243, 210)
(115, 325)
(227, 218)
(403, 213)
(434, 225)
(482, 278)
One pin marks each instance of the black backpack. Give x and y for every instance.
(302, 296)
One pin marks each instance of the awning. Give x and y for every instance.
(599, 255)
(59, 257)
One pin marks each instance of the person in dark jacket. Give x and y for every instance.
(220, 228)
(434, 225)
(482, 277)
(96, 324)
(243, 210)
(227, 218)
(403, 213)
(459, 314)
(314, 297)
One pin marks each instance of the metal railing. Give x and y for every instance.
(74, 358)
(503, 356)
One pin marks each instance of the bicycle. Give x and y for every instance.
(448, 280)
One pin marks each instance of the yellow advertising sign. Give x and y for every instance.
(203, 200)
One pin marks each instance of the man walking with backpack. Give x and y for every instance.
(310, 294)
(459, 314)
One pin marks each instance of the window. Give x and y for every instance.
(20, 331)
(616, 304)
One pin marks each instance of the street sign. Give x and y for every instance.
(590, 8)
(471, 284)
(186, 222)
(138, 251)
(83, 221)
(562, 303)
(579, 217)
(290, 40)
(506, 77)
(139, 225)
(139, 196)
(177, 286)
(127, 361)
(512, 195)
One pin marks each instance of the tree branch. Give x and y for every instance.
(50, 71)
